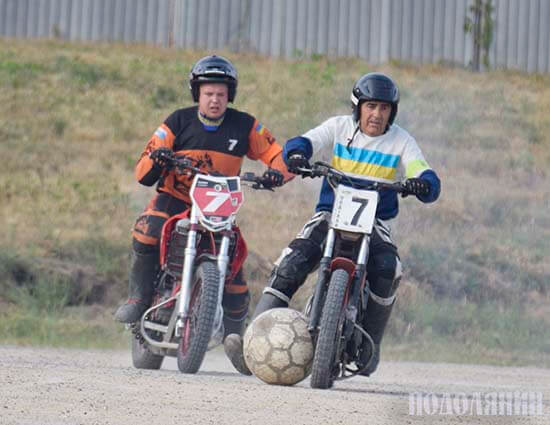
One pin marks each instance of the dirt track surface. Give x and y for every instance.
(59, 387)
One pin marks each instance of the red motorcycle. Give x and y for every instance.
(201, 250)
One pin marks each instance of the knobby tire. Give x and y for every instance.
(203, 310)
(322, 370)
(142, 358)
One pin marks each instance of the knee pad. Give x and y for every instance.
(294, 265)
(316, 228)
(385, 275)
(384, 290)
(385, 265)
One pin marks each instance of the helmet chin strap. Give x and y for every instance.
(350, 140)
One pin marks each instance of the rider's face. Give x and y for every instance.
(374, 117)
(213, 99)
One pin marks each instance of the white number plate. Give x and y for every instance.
(354, 210)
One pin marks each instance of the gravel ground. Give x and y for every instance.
(61, 387)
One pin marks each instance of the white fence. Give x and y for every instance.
(419, 31)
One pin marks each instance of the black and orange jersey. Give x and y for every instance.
(222, 150)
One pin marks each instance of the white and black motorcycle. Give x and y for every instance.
(338, 305)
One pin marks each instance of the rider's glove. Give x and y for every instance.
(162, 158)
(416, 186)
(297, 160)
(272, 178)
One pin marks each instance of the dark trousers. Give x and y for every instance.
(304, 253)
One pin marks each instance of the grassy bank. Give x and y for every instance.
(74, 119)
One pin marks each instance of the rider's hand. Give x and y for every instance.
(416, 186)
(162, 158)
(297, 160)
(272, 178)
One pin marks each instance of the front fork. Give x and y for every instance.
(324, 277)
(190, 253)
(361, 272)
(223, 264)
(322, 280)
(184, 299)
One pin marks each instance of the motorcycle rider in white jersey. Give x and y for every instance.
(368, 146)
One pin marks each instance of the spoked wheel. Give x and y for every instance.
(198, 327)
(324, 368)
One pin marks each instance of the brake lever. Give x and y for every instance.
(186, 167)
(256, 181)
(306, 172)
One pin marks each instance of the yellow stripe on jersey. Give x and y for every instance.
(363, 168)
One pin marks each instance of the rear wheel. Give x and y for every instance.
(324, 366)
(198, 327)
(142, 358)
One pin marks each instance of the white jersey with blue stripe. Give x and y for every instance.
(390, 157)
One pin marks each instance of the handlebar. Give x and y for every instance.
(258, 182)
(188, 166)
(335, 177)
(185, 165)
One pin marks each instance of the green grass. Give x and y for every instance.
(75, 117)
(424, 327)
(75, 329)
(45, 296)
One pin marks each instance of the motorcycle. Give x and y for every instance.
(339, 303)
(201, 249)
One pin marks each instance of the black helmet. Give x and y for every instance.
(213, 69)
(375, 86)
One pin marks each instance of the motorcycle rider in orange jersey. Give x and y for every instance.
(217, 138)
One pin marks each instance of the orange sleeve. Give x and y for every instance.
(263, 146)
(163, 137)
(278, 164)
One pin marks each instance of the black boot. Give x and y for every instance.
(267, 301)
(232, 325)
(375, 323)
(143, 270)
(233, 344)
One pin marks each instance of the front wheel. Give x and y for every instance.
(198, 327)
(330, 331)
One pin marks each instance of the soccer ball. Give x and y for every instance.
(277, 347)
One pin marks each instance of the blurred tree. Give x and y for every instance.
(481, 26)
